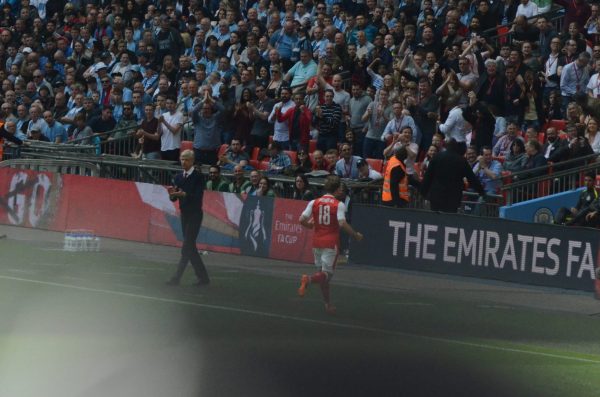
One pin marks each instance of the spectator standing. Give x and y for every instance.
(148, 135)
(488, 171)
(260, 110)
(170, 127)
(207, 129)
(357, 106)
(281, 129)
(329, 117)
(574, 78)
(377, 116)
(299, 120)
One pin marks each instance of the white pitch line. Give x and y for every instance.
(305, 320)
(121, 274)
(22, 271)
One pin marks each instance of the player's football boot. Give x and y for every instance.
(330, 309)
(304, 281)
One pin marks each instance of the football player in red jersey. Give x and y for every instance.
(326, 215)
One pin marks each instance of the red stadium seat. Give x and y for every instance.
(186, 145)
(223, 149)
(254, 163)
(312, 145)
(541, 137)
(293, 155)
(263, 165)
(255, 153)
(560, 125)
(376, 164)
(502, 34)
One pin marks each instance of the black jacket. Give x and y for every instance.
(193, 186)
(443, 182)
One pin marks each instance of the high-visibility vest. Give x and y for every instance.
(386, 194)
(1, 142)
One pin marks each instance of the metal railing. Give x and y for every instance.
(73, 167)
(555, 16)
(551, 179)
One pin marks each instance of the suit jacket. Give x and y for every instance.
(556, 149)
(443, 181)
(193, 186)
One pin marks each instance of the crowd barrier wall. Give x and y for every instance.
(540, 210)
(256, 226)
(463, 245)
(260, 226)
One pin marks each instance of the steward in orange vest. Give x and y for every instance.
(395, 181)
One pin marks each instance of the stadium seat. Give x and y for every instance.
(376, 164)
(223, 149)
(186, 145)
(541, 137)
(502, 34)
(254, 163)
(263, 166)
(312, 145)
(293, 155)
(255, 153)
(560, 125)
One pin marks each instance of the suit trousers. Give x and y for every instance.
(190, 226)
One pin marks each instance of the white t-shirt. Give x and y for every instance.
(594, 85)
(528, 10)
(168, 140)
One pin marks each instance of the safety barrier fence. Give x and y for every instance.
(268, 227)
(547, 180)
(501, 35)
(162, 172)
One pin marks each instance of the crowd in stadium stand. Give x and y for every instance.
(289, 86)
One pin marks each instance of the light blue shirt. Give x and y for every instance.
(283, 43)
(490, 185)
(54, 131)
(573, 79)
(301, 72)
(396, 125)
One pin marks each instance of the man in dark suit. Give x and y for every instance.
(553, 148)
(189, 189)
(443, 182)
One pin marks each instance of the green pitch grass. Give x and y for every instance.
(104, 324)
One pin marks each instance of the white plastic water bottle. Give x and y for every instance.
(78, 241)
(96, 243)
(68, 241)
